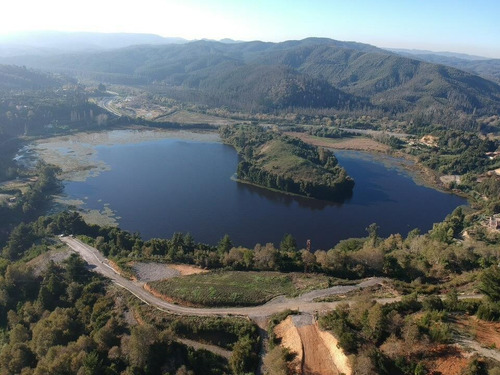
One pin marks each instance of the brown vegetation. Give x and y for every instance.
(486, 333)
(355, 143)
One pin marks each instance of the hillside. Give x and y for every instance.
(311, 73)
(20, 78)
(484, 67)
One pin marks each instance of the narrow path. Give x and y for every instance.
(211, 348)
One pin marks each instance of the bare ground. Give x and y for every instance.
(150, 271)
(479, 336)
(301, 335)
(41, 262)
(317, 359)
(186, 269)
(486, 333)
(448, 360)
(154, 271)
(290, 339)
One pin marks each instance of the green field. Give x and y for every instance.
(235, 288)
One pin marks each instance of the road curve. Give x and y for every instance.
(303, 303)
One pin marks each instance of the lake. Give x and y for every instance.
(171, 185)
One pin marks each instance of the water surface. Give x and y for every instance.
(170, 185)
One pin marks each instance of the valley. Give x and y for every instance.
(310, 206)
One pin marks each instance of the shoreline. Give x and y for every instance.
(420, 174)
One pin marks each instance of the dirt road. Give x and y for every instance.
(303, 303)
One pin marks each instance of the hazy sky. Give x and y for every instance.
(470, 26)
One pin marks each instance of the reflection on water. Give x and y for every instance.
(289, 199)
(170, 185)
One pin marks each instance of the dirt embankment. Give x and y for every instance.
(338, 356)
(290, 339)
(317, 351)
(121, 271)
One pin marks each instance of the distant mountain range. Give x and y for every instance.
(483, 66)
(310, 73)
(50, 42)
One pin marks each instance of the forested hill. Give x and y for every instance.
(20, 78)
(311, 73)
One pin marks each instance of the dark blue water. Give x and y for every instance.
(167, 186)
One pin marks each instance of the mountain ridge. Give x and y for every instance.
(308, 73)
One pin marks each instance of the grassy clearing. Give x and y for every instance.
(235, 288)
(188, 117)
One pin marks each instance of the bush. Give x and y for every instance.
(489, 311)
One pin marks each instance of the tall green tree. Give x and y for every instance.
(288, 243)
(225, 244)
(490, 283)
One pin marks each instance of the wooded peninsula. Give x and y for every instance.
(276, 161)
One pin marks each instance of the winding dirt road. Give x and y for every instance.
(303, 303)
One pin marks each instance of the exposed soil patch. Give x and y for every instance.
(447, 360)
(301, 335)
(486, 333)
(186, 269)
(290, 338)
(317, 359)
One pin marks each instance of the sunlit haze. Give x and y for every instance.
(446, 25)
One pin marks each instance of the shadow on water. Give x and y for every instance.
(288, 199)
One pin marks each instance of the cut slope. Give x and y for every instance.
(317, 352)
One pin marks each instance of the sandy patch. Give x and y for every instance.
(290, 339)
(338, 356)
(317, 358)
(186, 269)
(449, 179)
